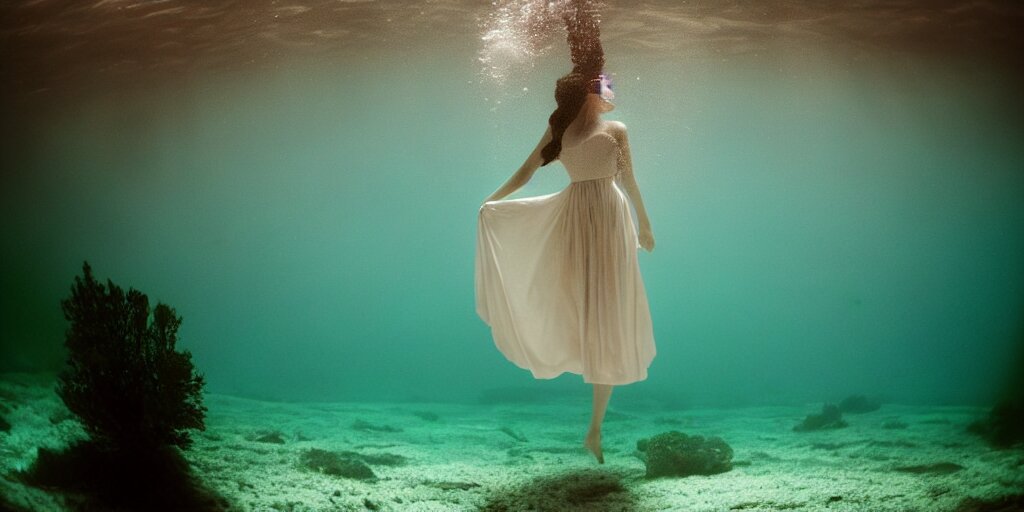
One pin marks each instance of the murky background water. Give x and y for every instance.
(835, 190)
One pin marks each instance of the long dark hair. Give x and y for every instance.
(584, 37)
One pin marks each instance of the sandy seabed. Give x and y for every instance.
(530, 456)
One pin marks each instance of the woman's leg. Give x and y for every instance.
(602, 392)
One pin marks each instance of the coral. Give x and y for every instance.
(124, 379)
(830, 417)
(674, 453)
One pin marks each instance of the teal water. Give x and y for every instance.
(830, 217)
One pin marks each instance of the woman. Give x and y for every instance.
(557, 276)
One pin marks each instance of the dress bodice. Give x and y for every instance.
(595, 157)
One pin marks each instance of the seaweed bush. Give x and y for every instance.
(124, 379)
(137, 397)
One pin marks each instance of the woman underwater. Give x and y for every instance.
(557, 276)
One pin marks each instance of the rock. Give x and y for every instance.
(857, 404)
(331, 463)
(830, 417)
(674, 453)
(5, 426)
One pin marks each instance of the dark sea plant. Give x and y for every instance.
(124, 379)
(137, 397)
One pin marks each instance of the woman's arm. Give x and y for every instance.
(628, 181)
(525, 172)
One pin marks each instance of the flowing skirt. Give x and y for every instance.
(558, 282)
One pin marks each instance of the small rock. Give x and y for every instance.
(830, 417)
(674, 453)
(331, 463)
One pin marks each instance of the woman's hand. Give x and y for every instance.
(646, 238)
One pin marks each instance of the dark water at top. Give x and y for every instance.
(835, 190)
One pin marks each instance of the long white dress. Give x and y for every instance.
(557, 276)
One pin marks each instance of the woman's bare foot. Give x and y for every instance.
(593, 443)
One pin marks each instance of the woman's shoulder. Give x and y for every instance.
(616, 125)
(616, 128)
